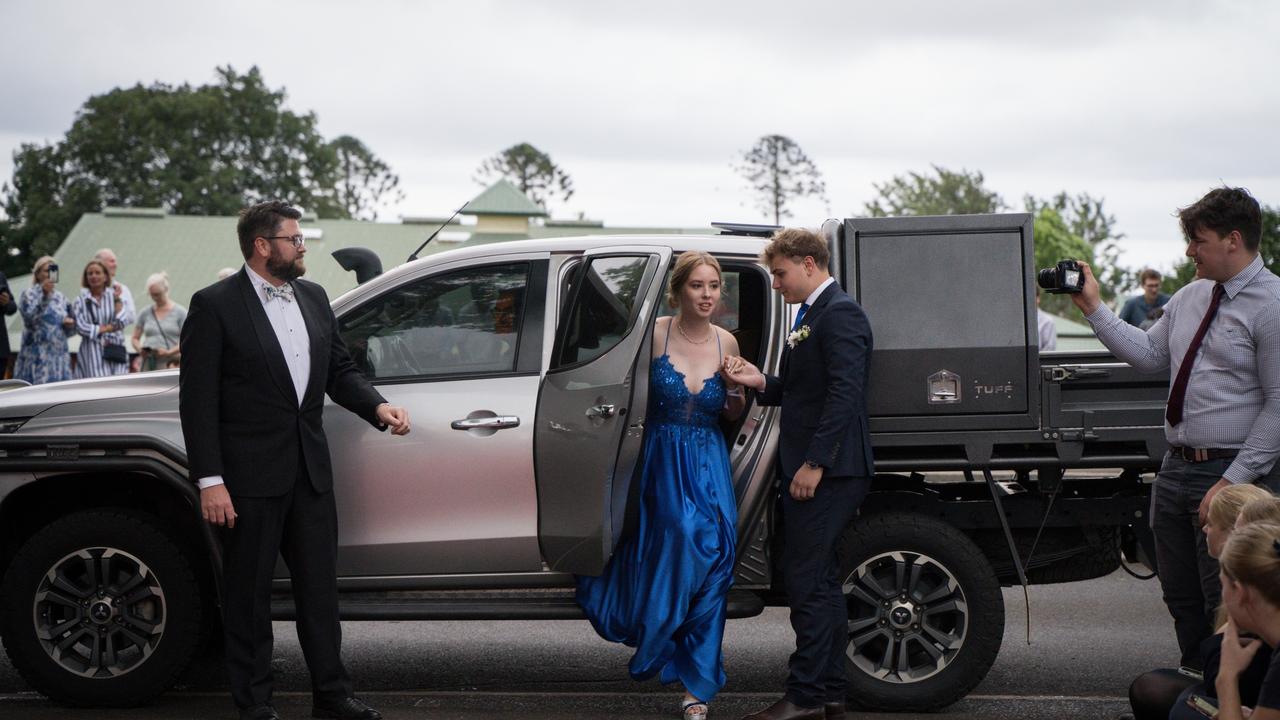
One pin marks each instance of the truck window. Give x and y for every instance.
(603, 308)
(464, 322)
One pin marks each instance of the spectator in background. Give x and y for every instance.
(1162, 694)
(226, 272)
(108, 258)
(159, 327)
(101, 316)
(1138, 308)
(1048, 331)
(1251, 593)
(9, 307)
(1152, 318)
(44, 357)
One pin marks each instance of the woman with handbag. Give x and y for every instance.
(100, 319)
(155, 336)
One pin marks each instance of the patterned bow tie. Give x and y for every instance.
(284, 292)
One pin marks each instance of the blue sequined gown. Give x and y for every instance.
(664, 590)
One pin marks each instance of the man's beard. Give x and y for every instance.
(285, 270)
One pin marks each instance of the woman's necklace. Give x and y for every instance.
(703, 341)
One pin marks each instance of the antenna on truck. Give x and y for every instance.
(414, 255)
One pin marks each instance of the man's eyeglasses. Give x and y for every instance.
(297, 240)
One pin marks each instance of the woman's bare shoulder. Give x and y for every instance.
(728, 342)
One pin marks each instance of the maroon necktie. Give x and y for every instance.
(1173, 412)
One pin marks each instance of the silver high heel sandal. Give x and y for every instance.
(694, 709)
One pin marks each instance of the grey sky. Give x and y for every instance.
(647, 105)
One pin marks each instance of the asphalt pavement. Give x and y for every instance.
(1088, 641)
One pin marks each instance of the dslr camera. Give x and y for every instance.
(1065, 277)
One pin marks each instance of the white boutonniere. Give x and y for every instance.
(798, 336)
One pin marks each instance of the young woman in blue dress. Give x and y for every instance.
(665, 590)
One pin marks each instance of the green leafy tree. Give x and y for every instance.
(365, 182)
(942, 193)
(202, 151)
(778, 173)
(1054, 241)
(206, 150)
(529, 169)
(43, 202)
(1088, 219)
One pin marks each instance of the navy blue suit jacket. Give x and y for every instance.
(822, 390)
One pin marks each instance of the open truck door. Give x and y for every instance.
(592, 405)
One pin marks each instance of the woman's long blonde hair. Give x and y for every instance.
(1264, 510)
(1252, 557)
(1228, 502)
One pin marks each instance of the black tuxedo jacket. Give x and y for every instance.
(822, 390)
(240, 413)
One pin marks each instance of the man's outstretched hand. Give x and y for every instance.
(394, 417)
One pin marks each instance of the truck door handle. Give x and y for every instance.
(491, 423)
(604, 410)
(1074, 372)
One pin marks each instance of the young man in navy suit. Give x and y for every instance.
(824, 458)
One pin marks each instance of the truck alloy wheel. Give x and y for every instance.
(926, 614)
(99, 612)
(907, 617)
(101, 608)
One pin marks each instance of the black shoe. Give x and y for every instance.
(834, 710)
(259, 712)
(347, 708)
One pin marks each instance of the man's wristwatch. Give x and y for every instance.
(811, 465)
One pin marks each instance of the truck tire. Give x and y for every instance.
(926, 615)
(100, 608)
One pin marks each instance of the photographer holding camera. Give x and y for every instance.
(1220, 340)
(43, 357)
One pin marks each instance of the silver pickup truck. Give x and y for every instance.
(524, 367)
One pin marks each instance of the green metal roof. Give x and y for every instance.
(1074, 335)
(192, 249)
(503, 198)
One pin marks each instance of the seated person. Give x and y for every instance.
(1250, 573)
(1163, 693)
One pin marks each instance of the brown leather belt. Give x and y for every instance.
(1199, 455)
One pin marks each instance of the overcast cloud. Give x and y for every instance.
(647, 105)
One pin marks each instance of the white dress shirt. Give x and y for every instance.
(1233, 395)
(290, 329)
(813, 296)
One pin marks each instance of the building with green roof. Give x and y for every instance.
(192, 249)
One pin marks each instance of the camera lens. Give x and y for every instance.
(1048, 278)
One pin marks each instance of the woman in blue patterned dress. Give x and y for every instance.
(101, 315)
(664, 592)
(46, 325)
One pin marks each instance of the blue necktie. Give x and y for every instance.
(804, 307)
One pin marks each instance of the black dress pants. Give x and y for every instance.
(301, 525)
(819, 614)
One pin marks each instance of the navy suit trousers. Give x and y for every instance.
(819, 615)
